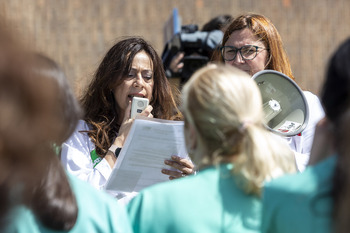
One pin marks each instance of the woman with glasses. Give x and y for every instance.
(252, 43)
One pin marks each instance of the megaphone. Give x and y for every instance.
(284, 104)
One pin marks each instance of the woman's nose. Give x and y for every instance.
(238, 58)
(139, 80)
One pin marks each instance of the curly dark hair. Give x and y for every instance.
(101, 112)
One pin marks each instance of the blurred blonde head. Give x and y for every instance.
(224, 123)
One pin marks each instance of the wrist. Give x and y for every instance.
(115, 150)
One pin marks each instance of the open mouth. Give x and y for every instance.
(135, 95)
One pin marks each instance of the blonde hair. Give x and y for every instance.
(224, 106)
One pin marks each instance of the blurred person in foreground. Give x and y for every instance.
(236, 154)
(39, 110)
(252, 43)
(317, 200)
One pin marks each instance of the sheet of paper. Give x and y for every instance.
(149, 143)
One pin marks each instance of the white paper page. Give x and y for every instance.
(149, 143)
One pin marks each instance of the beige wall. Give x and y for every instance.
(77, 33)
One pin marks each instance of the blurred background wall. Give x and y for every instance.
(77, 33)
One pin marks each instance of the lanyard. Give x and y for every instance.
(95, 158)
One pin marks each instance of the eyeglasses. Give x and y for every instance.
(248, 52)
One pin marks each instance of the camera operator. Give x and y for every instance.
(192, 49)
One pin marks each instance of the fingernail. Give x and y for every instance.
(174, 157)
(167, 162)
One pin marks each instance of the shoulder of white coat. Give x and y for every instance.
(82, 125)
(79, 137)
(310, 96)
(315, 106)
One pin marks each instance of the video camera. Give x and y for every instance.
(197, 46)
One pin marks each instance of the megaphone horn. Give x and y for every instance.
(284, 104)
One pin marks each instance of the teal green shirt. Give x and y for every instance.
(301, 202)
(207, 202)
(97, 212)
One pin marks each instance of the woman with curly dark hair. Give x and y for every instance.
(130, 68)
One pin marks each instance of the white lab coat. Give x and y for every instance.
(301, 145)
(76, 158)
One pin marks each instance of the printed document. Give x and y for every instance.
(149, 143)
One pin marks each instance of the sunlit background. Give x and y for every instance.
(77, 33)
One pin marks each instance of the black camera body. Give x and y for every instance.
(197, 46)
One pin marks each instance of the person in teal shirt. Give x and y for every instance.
(317, 200)
(39, 111)
(98, 212)
(233, 151)
(300, 202)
